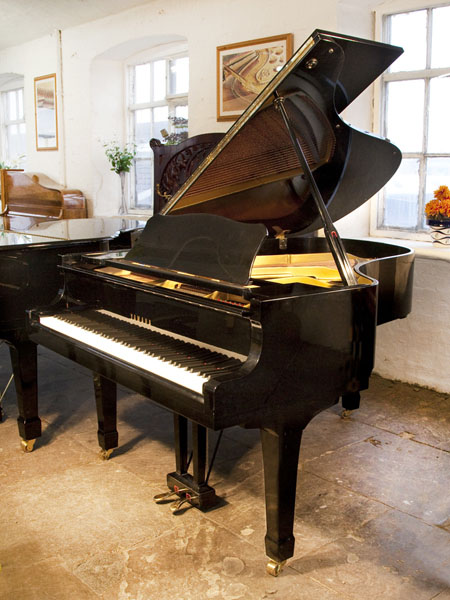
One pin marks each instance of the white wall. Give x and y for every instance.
(39, 57)
(416, 349)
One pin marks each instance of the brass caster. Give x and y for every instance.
(105, 454)
(274, 568)
(346, 413)
(27, 445)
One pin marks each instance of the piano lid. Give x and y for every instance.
(253, 174)
(63, 230)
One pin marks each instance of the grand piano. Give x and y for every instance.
(29, 277)
(230, 309)
(32, 198)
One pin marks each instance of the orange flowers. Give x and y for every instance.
(438, 209)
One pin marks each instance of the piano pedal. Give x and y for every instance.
(27, 445)
(178, 504)
(167, 496)
(105, 454)
(274, 567)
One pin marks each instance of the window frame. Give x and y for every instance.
(382, 12)
(170, 100)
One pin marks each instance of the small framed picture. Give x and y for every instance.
(46, 112)
(245, 68)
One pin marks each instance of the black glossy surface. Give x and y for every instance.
(201, 245)
(280, 388)
(29, 277)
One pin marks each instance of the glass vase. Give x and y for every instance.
(123, 200)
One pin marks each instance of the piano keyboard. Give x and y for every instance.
(183, 361)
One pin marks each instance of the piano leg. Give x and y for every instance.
(280, 456)
(190, 489)
(24, 365)
(180, 426)
(350, 402)
(106, 402)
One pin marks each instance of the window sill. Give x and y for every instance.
(421, 249)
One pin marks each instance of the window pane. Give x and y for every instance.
(16, 141)
(409, 30)
(439, 119)
(404, 115)
(12, 106)
(20, 104)
(440, 56)
(142, 83)
(179, 75)
(142, 131)
(401, 196)
(143, 170)
(181, 112)
(160, 121)
(438, 173)
(159, 80)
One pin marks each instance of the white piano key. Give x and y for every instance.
(152, 364)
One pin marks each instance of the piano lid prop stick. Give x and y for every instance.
(334, 241)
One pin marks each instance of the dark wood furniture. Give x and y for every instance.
(30, 198)
(174, 164)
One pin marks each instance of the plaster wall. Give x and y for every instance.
(38, 57)
(415, 349)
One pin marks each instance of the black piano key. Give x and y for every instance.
(179, 353)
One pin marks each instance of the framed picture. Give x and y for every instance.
(46, 112)
(245, 68)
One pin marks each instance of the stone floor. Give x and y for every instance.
(372, 518)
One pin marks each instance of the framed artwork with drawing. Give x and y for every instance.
(46, 112)
(245, 68)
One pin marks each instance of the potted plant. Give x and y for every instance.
(437, 212)
(121, 159)
(180, 125)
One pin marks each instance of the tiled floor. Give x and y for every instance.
(372, 519)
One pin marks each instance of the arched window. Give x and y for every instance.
(12, 119)
(157, 108)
